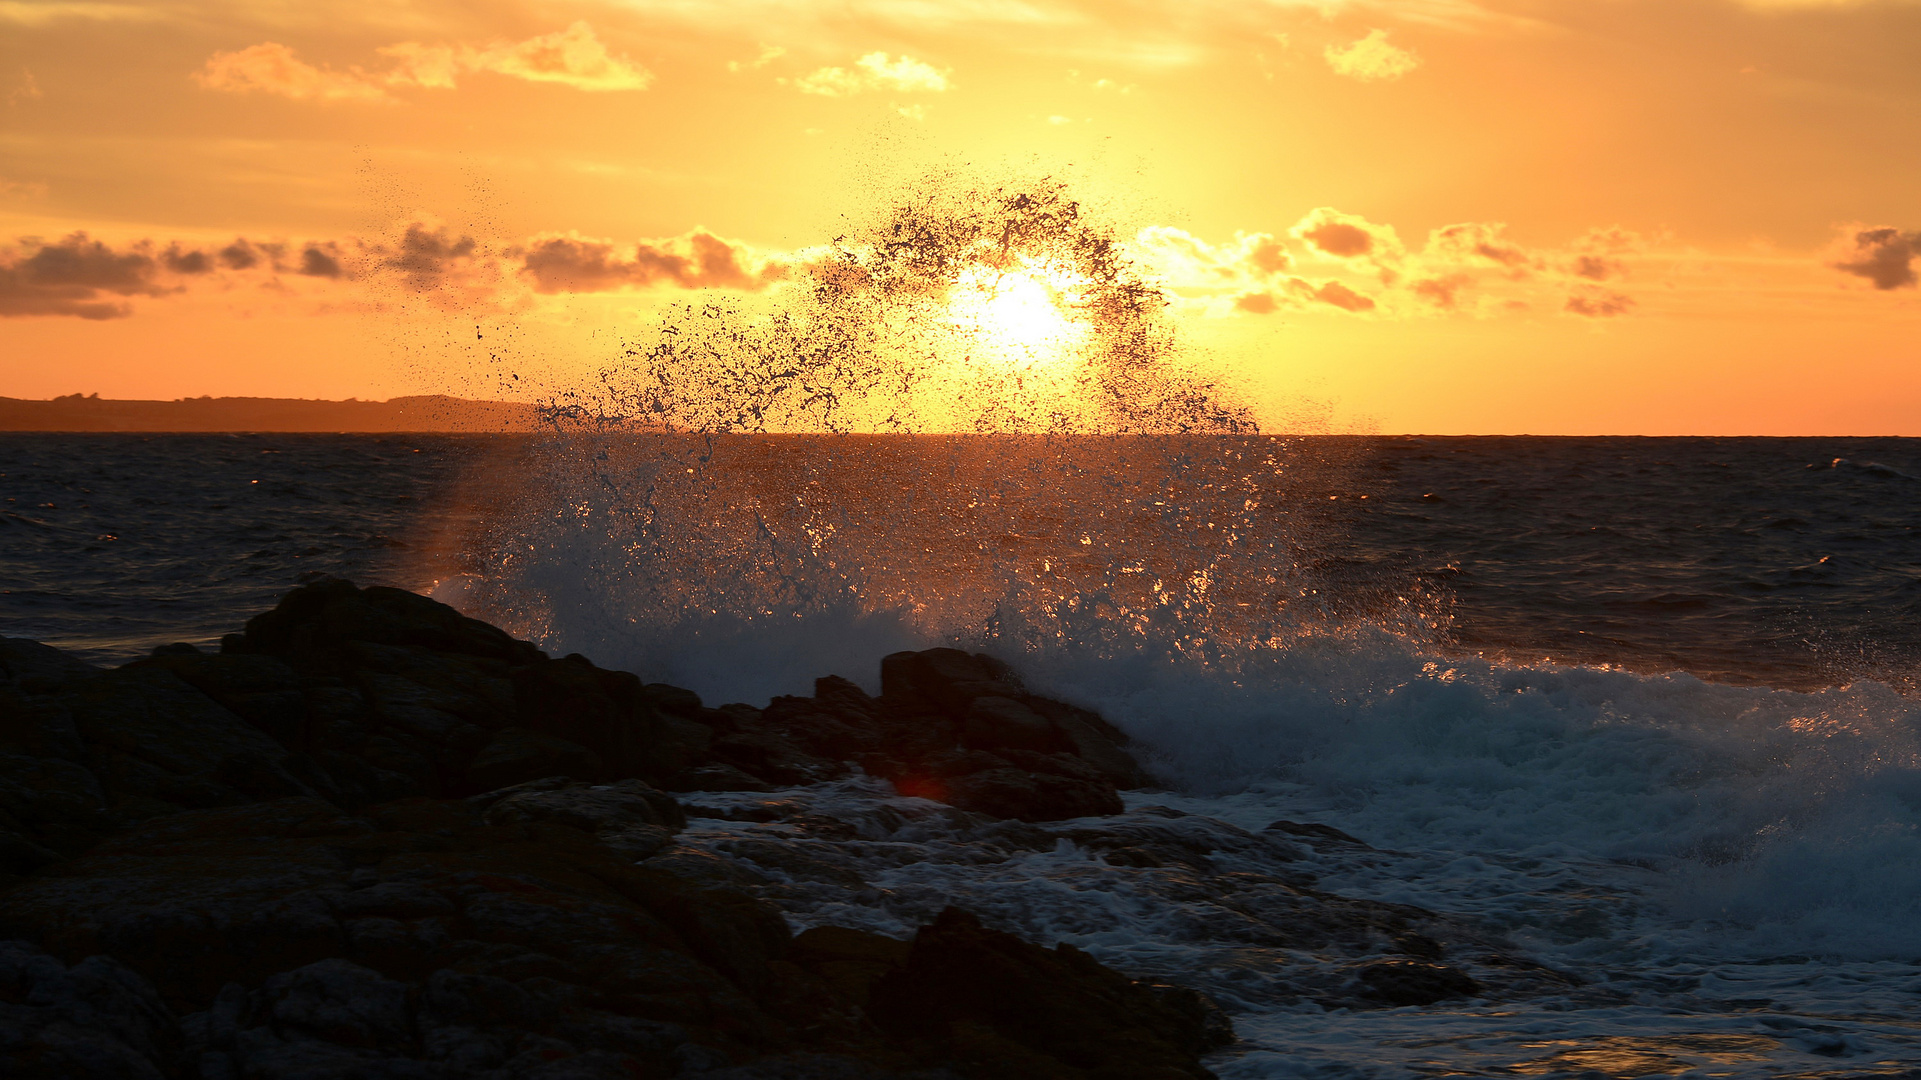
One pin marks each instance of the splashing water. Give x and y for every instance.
(970, 422)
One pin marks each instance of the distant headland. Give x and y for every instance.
(423, 413)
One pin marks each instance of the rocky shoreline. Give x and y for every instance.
(372, 837)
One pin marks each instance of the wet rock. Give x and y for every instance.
(629, 816)
(944, 680)
(1030, 796)
(1004, 1007)
(1406, 982)
(717, 778)
(999, 723)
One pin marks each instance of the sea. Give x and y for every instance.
(1639, 714)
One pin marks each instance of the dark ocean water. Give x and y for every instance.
(1784, 562)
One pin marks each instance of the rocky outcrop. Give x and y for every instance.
(373, 837)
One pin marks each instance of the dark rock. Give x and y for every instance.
(517, 755)
(94, 1020)
(945, 680)
(1003, 1007)
(999, 723)
(1314, 835)
(672, 699)
(1029, 796)
(851, 961)
(1406, 982)
(717, 778)
(628, 817)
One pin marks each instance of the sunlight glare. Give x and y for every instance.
(1020, 316)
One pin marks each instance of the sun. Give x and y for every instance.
(1021, 315)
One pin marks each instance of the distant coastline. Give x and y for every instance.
(423, 413)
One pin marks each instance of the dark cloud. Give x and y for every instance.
(1340, 239)
(1883, 256)
(1342, 297)
(1595, 267)
(317, 261)
(1482, 240)
(76, 276)
(699, 260)
(426, 255)
(1441, 291)
(1269, 257)
(1257, 303)
(186, 261)
(1600, 304)
(241, 255)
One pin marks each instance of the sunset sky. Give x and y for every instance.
(1550, 216)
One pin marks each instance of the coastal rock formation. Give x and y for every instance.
(373, 837)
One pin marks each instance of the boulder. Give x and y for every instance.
(95, 1020)
(1004, 1007)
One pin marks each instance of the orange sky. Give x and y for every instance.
(1553, 216)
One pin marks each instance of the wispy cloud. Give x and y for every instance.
(1371, 59)
(875, 71)
(37, 13)
(574, 57)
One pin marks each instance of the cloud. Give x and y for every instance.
(1339, 295)
(423, 257)
(875, 71)
(768, 54)
(26, 88)
(272, 68)
(1250, 274)
(1352, 239)
(1599, 303)
(1479, 241)
(1884, 256)
(573, 57)
(1442, 292)
(695, 260)
(1371, 59)
(77, 276)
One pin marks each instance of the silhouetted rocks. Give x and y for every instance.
(372, 837)
(982, 996)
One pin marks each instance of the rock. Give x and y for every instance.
(340, 1002)
(945, 680)
(1030, 796)
(851, 961)
(1407, 982)
(999, 723)
(629, 817)
(717, 778)
(517, 755)
(94, 1020)
(1003, 1007)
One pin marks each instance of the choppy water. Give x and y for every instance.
(1641, 709)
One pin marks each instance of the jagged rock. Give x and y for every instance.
(1031, 796)
(992, 1000)
(629, 816)
(259, 841)
(945, 680)
(95, 1020)
(517, 755)
(998, 723)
